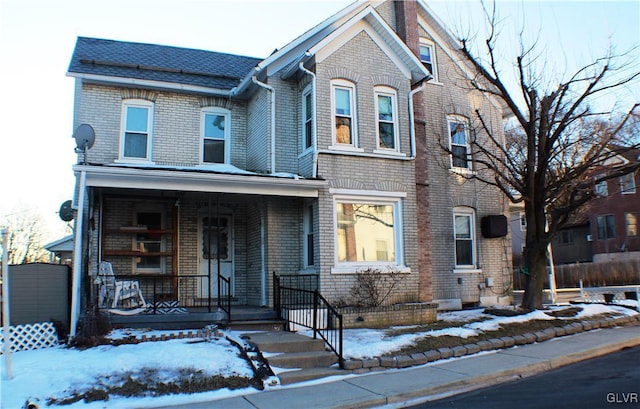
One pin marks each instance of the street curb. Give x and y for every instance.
(430, 394)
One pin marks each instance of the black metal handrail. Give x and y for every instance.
(224, 295)
(308, 308)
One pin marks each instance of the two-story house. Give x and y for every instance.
(210, 171)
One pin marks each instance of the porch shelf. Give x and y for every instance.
(136, 253)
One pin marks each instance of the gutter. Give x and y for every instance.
(273, 120)
(315, 118)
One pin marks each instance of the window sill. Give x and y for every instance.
(353, 269)
(345, 148)
(463, 171)
(306, 152)
(435, 82)
(131, 161)
(362, 153)
(389, 152)
(470, 270)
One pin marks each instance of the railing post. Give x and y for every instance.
(155, 296)
(315, 314)
(276, 295)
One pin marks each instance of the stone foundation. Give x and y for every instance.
(388, 315)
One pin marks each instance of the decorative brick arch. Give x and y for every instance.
(217, 102)
(131, 93)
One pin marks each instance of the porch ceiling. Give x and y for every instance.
(197, 181)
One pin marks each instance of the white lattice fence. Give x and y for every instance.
(30, 336)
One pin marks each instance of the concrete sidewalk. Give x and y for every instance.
(399, 387)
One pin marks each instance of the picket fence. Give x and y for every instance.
(30, 336)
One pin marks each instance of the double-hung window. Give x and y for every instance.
(459, 142)
(344, 113)
(308, 239)
(386, 118)
(601, 187)
(627, 184)
(606, 227)
(368, 231)
(308, 128)
(464, 237)
(215, 135)
(137, 120)
(631, 224)
(428, 57)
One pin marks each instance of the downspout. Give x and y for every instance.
(273, 120)
(77, 257)
(411, 120)
(315, 121)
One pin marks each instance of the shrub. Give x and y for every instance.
(373, 287)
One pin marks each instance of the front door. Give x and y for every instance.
(215, 251)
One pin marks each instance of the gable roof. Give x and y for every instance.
(109, 60)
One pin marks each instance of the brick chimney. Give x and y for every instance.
(407, 28)
(407, 23)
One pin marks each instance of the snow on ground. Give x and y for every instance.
(56, 372)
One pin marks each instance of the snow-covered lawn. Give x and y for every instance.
(60, 372)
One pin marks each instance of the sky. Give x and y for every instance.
(79, 370)
(37, 38)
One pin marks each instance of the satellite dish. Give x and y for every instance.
(66, 211)
(84, 136)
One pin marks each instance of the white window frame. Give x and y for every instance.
(628, 184)
(351, 87)
(162, 240)
(464, 121)
(431, 45)
(601, 188)
(306, 117)
(308, 229)
(394, 199)
(227, 133)
(391, 93)
(471, 214)
(136, 103)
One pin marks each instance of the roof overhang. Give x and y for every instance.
(197, 181)
(135, 82)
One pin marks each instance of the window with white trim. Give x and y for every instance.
(136, 131)
(368, 231)
(606, 226)
(344, 113)
(627, 184)
(464, 236)
(600, 188)
(387, 118)
(428, 57)
(308, 236)
(216, 125)
(459, 142)
(307, 118)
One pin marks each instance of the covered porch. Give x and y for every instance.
(185, 247)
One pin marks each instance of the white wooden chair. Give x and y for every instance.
(118, 294)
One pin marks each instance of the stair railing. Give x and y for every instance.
(309, 309)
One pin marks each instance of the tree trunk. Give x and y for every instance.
(536, 261)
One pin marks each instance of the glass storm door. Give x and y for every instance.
(215, 243)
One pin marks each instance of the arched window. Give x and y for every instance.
(343, 97)
(387, 118)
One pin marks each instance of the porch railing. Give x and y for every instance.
(306, 307)
(162, 293)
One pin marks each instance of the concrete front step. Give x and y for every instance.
(312, 359)
(283, 341)
(257, 325)
(289, 377)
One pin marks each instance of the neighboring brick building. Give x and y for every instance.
(322, 158)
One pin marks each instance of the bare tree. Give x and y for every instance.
(553, 142)
(26, 237)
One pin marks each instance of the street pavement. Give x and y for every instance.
(397, 388)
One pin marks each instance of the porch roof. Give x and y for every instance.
(196, 180)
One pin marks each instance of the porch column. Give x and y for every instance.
(77, 257)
